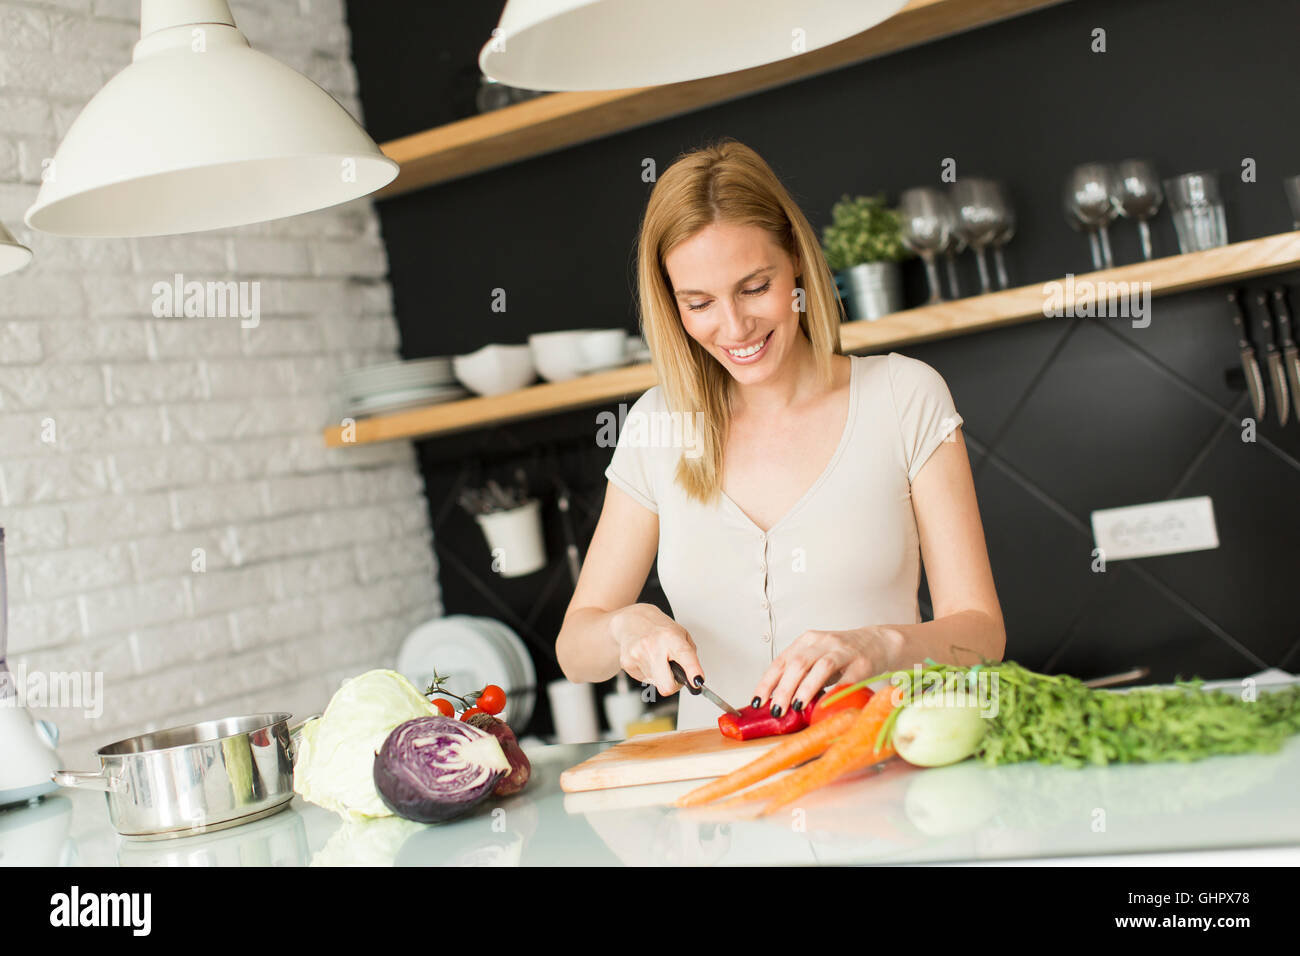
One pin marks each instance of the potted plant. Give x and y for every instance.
(863, 246)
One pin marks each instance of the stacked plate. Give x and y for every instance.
(472, 652)
(397, 385)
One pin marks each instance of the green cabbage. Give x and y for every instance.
(334, 767)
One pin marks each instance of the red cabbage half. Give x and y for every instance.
(431, 769)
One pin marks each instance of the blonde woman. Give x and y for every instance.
(804, 488)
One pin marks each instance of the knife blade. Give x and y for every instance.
(1249, 363)
(1276, 370)
(1290, 353)
(680, 676)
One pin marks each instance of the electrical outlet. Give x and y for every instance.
(1161, 527)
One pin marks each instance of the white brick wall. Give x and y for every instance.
(129, 445)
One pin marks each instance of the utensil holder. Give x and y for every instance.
(515, 539)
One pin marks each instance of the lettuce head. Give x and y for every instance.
(334, 766)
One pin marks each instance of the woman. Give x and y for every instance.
(791, 518)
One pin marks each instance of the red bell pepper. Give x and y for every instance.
(758, 722)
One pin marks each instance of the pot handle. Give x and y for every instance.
(92, 779)
(295, 731)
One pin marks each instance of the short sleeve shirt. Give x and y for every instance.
(846, 555)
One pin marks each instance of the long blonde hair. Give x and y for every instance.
(723, 182)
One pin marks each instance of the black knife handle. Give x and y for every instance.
(1283, 316)
(1241, 322)
(1265, 323)
(680, 676)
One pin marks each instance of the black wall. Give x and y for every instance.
(1063, 416)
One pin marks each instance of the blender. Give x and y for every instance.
(27, 757)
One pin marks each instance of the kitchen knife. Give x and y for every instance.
(1112, 679)
(680, 676)
(1249, 364)
(1273, 357)
(1290, 353)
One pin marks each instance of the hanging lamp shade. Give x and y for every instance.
(615, 44)
(13, 254)
(202, 132)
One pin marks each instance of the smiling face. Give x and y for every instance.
(734, 286)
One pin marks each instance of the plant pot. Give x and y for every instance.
(871, 290)
(515, 539)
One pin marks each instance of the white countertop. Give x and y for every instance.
(1232, 809)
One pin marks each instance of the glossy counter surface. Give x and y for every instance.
(892, 814)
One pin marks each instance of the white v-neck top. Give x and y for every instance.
(845, 555)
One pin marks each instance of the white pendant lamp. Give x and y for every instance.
(202, 132)
(615, 44)
(13, 254)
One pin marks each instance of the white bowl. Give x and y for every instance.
(604, 348)
(494, 369)
(558, 356)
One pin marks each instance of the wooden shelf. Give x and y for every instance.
(549, 123)
(1241, 260)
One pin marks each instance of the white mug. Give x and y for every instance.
(573, 708)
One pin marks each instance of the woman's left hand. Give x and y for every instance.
(819, 658)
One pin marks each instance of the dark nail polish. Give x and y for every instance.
(797, 706)
(776, 710)
(699, 680)
(755, 702)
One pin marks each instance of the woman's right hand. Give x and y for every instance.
(648, 639)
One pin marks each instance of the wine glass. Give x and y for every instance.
(1006, 230)
(955, 246)
(926, 225)
(1090, 192)
(1078, 226)
(979, 207)
(1139, 196)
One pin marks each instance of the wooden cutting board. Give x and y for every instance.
(664, 758)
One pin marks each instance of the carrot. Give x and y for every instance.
(801, 746)
(855, 748)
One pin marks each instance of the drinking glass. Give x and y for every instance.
(1139, 196)
(979, 205)
(1090, 192)
(1197, 210)
(1292, 186)
(926, 225)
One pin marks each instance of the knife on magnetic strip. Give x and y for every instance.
(1273, 358)
(1249, 363)
(1290, 353)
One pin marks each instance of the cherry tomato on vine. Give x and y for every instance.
(492, 700)
(467, 714)
(444, 706)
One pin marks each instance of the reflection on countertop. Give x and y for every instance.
(891, 814)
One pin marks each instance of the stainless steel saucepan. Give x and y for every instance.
(196, 778)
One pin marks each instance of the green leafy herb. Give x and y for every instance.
(863, 229)
(1057, 719)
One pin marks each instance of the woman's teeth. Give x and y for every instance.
(745, 353)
